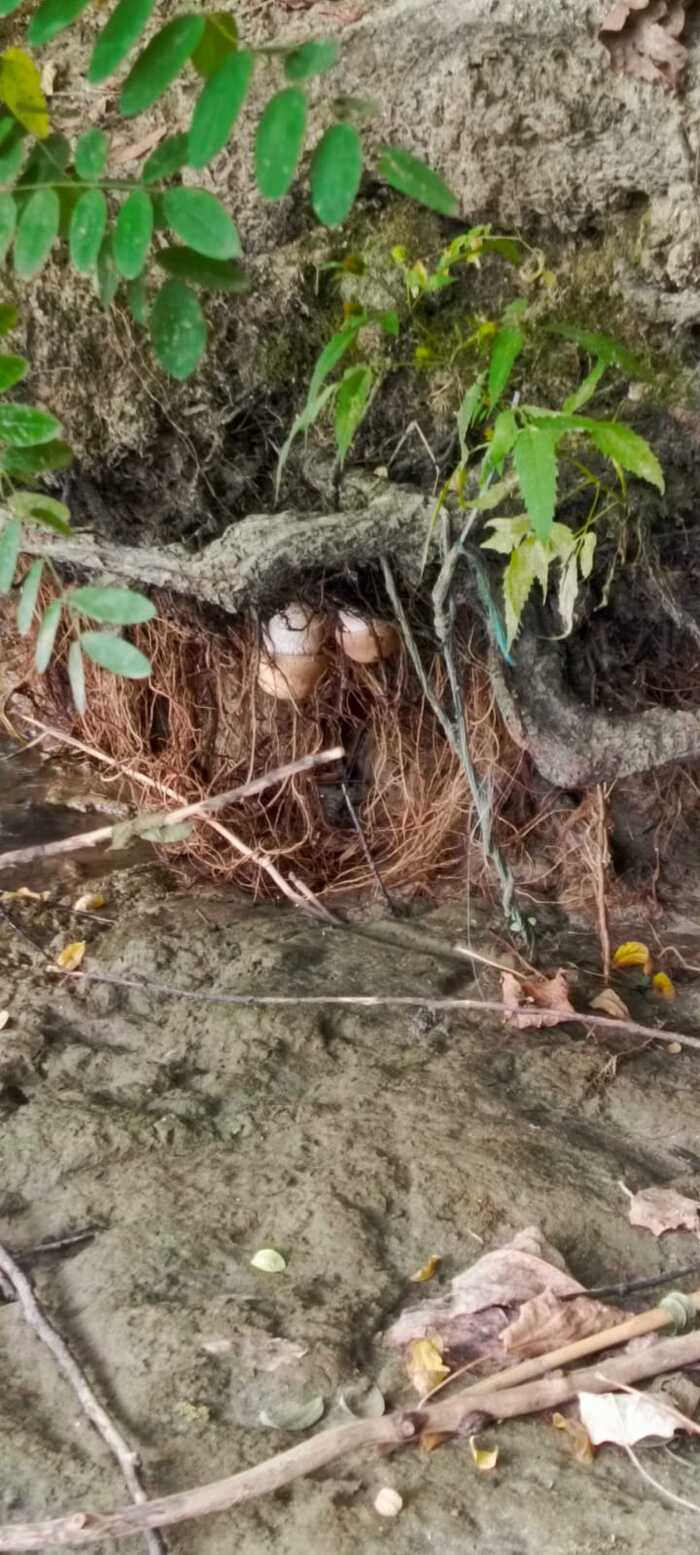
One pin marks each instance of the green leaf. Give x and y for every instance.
(12, 370)
(76, 677)
(48, 161)
(161, 61)
(279, 141)
(336, 170)
(468, 411)
(20, 88)
(411, 176)
(87, 230)
(91, 153)
(507, 345)
(8, 6)
(118, 37)
(218, 106)
(218, 275)
(46, 636)
(28, 597)
(36, 508)
(178, 329)
(505, 431)
(510, 249)
(626, 448)
(51, 18)
(585, 390)
(8, 218)
(132, 234)
(351, 405)
(10, 540)
(202, 223)
(137, 300)
(117, 607)
(24, 462)
(107, 273)
(507, 533)
(11, 161)
(602, 346)
(115, 654)
(167, 159)
(37, 230)
(389, 321)
(518, 579)
(22, 425)
(535, 461)
(219, 40)
(332, 354)
(310, 59)
(9, 315)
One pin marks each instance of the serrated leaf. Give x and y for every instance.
(23, 462)
(8, 219)
(351, 404)
(132, 234)
(586, 390)
(178, 329)
(202, 223)
(412, 177)
(107, 274)
(161, 61)
(219, 41)
(518, 579)
(10, 540)
(626, 448)
(310, 59)
(46, 635)
(587, 553)
(36, 508)
(23, 425)
(336, 170)
(218, 107)
(602, 346)
(269, 1260)
(505, 431)
(91, 152)
(278, 142)
(9, 315)
(51, 18)
(118, 37)
(115, 654)
(568, 593)
(507, 345)
(535, 462)
(70, 958)
(507, 533)
(28, 597)
(20, 88)
(219, 275)
(167, 158)
(561, 541)
(117, 607)
(87, 230)
(37, 230)
(12, 370)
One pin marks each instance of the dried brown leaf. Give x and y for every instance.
(542, 1001)
(579, 1440)
(431, 1439)
(664, 1209)
(641, 38)
(545, 1322)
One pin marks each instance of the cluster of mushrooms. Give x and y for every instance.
(294, 656)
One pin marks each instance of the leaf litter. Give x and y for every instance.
(542, 1001)
(664, 1209)
(642, 38)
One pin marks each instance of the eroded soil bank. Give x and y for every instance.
(356, 1142)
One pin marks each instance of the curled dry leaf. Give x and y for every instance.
(485, 1458)
(427, 1271)
(664, 1209)
(70, 958)
(425, 1365)
(610, 1003)
(388, 1502)
(546, 1322)
(625, 1418)
(641, 37)
(633, 953)
(542, 1001)
(91, 902)
(269, 1260)
(579, 1440)
(663, 986)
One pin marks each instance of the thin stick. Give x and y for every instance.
(376, 1002)
(629, 1287)
(602, 859)
(365, 848)
(173, 817)
(690, 1506)
(457, 1415)
(128, 1460)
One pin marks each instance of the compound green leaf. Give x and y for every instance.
(118, 37)
(161, 61)
(87, 229)
(167, 158)
(91, 152)
(219, 40)
(28, 597)
(518, 579)
(505, 431)
(178, 329)
(218, 106)
(115, 606)
(8, 221)
(336, 170)
(46, 636)
(310, 59)
(20, 88)
(412, 177)
(37, 230)
(279, 141)
(218, 275)
(10, 539)
(51, 18)
(626, 448)
(132, 234)
(535, 460)
(202, 223)
(115, 654)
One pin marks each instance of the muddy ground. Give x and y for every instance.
(188, 1136)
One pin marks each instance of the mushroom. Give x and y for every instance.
(292, 661)
(366, 640)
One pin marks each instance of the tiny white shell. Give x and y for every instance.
(296, 629)
(388, 1502)
(366, 640)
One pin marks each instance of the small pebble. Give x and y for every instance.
(388, 1502)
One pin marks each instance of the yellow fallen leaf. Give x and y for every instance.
(610, 1003)
(663, 986)
(485, 1458)
(90, 903)
(579, 1440)
(69, 959)
(425, 1365)
(633, 953)
(427, 1271)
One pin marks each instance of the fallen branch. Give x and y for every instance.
(458, 1416)
(128, 1460)
(377, 1002)
(173, 817)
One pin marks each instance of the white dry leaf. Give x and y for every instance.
(625, 1418)
(388, 1502)
(4, 1018)
(269, 1260)
(664, 1209)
